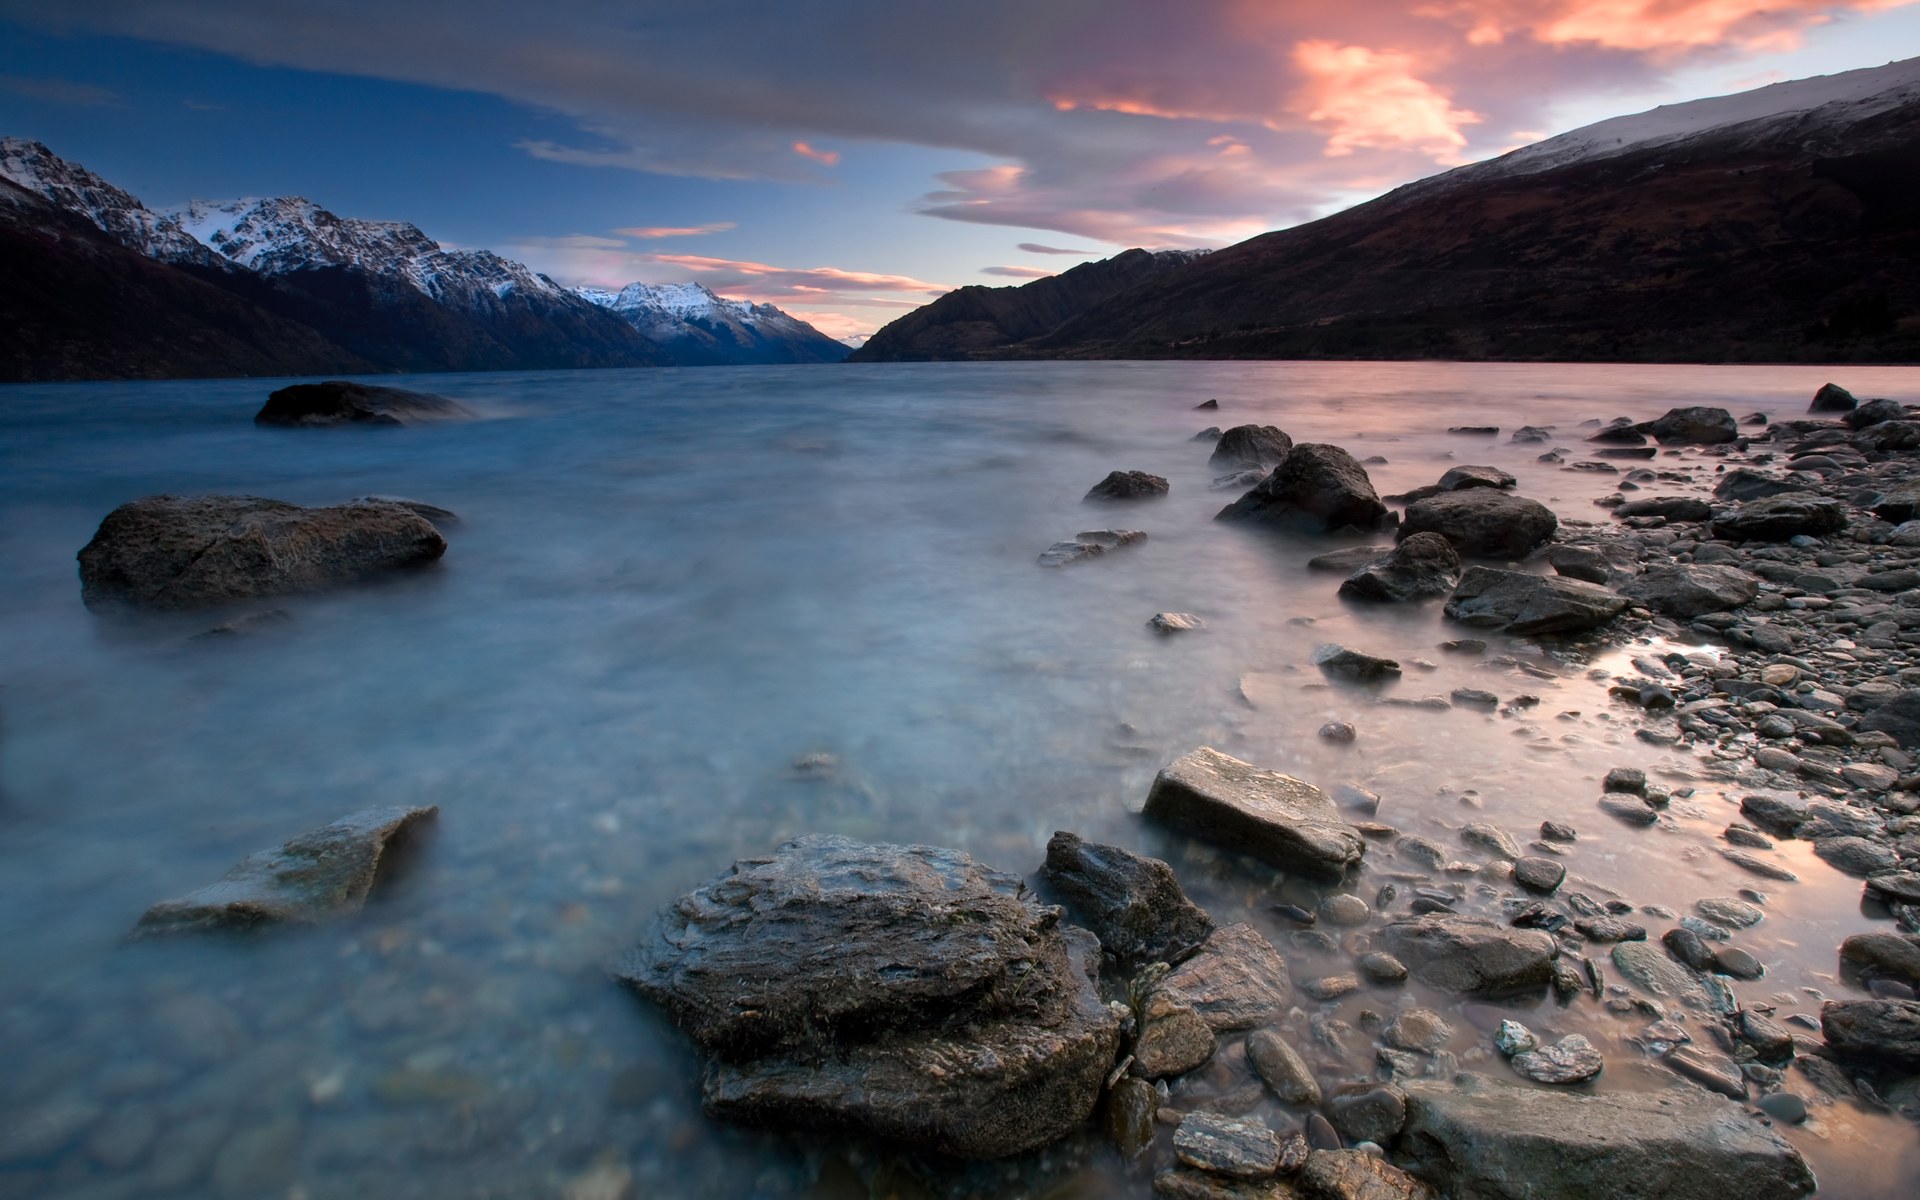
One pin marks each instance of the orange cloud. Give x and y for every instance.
(674, 231)
(1660, 28)
(1371, 99)
(801, 278)
(828, 157)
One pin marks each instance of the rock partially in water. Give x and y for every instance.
(1510, 1143)
(1483, 522)
(1832, 398)
(1715, 1072)
(1282, 1068)
(1128, 485)
(1188, 1183)
(1226, 1146)
(1129, 1115)
(1878, 1033)
(1356, 665)
(1132, 903)
(344, 402)
(1648, 967)
(1875, 412)
(1778, 518)
(1673, 508)
(1318, 489)
(1236, 981)
(320, 874)
(1091, 544)
(1422, 567)
(1524, 604)
(1357, 1175)
(904, 992)
(1884, 956)
(1459, 479)
(1470, 956)
(183, 552)
(1687, 591)
(1251, 447)
(1175, 622)
(1570, 1060)
(1540, 874)
(1276, 818)
(1174, 1038)
(1698, 426)
(1368, 1112)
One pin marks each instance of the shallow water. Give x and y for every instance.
(668, 586)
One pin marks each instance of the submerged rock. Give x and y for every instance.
(1128, 485)
(1131, 902)
(1318, 489)
(1422, 567)
(183, 552)
(317, 875)
(1226, 1146)
(1470, 956)
(1091, 544)
(1518, 1143)
(1489, 598)
(1356, 665)
(1276, 818)
(1483, 522)
(343, 402)
(1251, 447)
(905, 992)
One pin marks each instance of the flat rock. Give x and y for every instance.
(1423, 567)
(1348, 559)
(1357, 1175)
(1355, 664)
(1687, 591)
(1483, 522)
(343, 402)
(1673, 508)
(902, 992)
(320, 874)
(1459, 479)
(1856, 855)
(1570, 1060)
(1538, 873)
(1280, 1066)
(1128, 485)
(1697, 426)
(1470, 956)
(1251, 446)
(1730, 911)
(1189, 1183)
(1368, 1112)
(1524, 604)
(1879, 1033)
(1276, 818)
(1091, 544)
(1900, 886)
(1899, 718)
(1318, 489)
(1132, 903)
(184, 552)
(1227, 1146)
(1518, 1143)
(1648, 966)
(1778, 518)
(1236, 981)
(1174, 1038)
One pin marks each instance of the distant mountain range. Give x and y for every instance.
(1780, 224)
(93, 284)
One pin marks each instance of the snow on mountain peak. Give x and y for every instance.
(118, 213)
(667, 312)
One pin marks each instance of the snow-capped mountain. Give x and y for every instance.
(77, 190)
(699, 327)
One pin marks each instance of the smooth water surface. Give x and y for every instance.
(667, 587)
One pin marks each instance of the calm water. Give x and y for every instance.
(667, 587)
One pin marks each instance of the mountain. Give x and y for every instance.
(1781, 224)
(979, 322)
(698, 328)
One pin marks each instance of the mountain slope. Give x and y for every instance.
(979, 321)
(697, 328)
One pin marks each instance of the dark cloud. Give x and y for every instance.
(59, 91)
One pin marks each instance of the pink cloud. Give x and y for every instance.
(1037, 248)
(1018, 272)
(828, 157)
(674, 231)
(1372, 99)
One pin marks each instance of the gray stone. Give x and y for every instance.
(1423, 567)
(1856, 855)
(1631, 809)
(1131, 902)
(1091, 544)
(1347, 560)
(1319, 489)
(1483, 522)
(1686, 591)
(1531, 604)
(1696, 426)
(1382, 967)
(1778, 814)
(1459, 479)
(1784, 1106)
(1174, 1038)
(1236, 981)
(1354, 664)
(1273, 817)
(1879, 1033)
(184, 552)
(1368, 1113)
(1470, 956)
(1510, 1143)
(1128, 485)
(322, 873)
(1730, 911)
(1898, 886)
(1757, 865)
(1832, 398)
(1281, 1066)
(1899, 718)
(1130, 1106)
(1490, 839)
(1580, 562)
(1345, 910)
(1244, 1149)
(1731, 960)
(1513, 1038)
(1778, 518)
(1173, 622)
(1419, 1029)
(1689, 948)
(1884, 956)
(343, 402)
(1538, 874)
(1715, 1072)
(1570, 1060)
(1625, 779)
(1356, 1175)
(1648, 967)
(1875, 412)
(1673, 508)
(1251, 446)
(904, 992)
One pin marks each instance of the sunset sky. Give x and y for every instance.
(848, 160)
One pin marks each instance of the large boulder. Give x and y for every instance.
(181, 552)
(1318, 489)
(1489, 598)
(344, 402)
(1131, 902)
(1899, 503)
(1875, 412)
(322, 873)
(1459, 479)
(1483, 522)
(1469, 956)
(1250, 447)
(1519, 1143)
(1899, 717)
(1743, 483)
(1236, 981)
(1422, 567)
(904, 992)
(1692, 426)
(1128, 485)
(1888, 435)
(1778, 518)
(1687, 590)
(1832, 398)
(1276, 818)
(1880, 1033)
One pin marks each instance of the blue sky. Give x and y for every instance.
(850, 160)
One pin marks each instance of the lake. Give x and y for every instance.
(667, 588)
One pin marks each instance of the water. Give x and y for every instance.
(667, 587)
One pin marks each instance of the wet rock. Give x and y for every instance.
(1898, 717)
(1856, 855)
(1345, 910)
(341, 402)
(1491, 840)
(1368, 1113)
(1692, 426)
(1531, 604)
(1757, 865)
(1686, 591)
(1784, 1106)
(1243, 1149)
(1538, 874)
(1832, 398)
(1532, 434)
(904, 992)
(1128, 485)
(1483, 522)
(1470, 956)
(1347, 560)
(1474, 698)
(184, 552)
(1354, 664)
(1715, 1072)
(1357, 1175)
(1381, 967)
(1330, 987)
(1649, 968)
(1174, 1039)
(1773, 1043)
(1778, 814)
(1730, 911)
(1422, 567)
(1883, 955)
(1879, 1033)
(1282, 1068)
(1273, 817)
(1236, 981)
(1338, 731)
(1459, 479)
(1901, 887)
(1630, 809)
(1779, 518)
(1186, 1183)
(1091, 544)
(317, 875)
(1875, 412)
(1173, 622)
(1570, 1060)
(1513, 1038)
(1132, 903)
(1673, 508)
(1319, 488)
(1417, 1029)
(1251, 446)
(1129, 1113)
(1499, 1143)
(1731, 960)
(1688, 947)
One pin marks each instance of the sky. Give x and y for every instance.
(849, 160)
